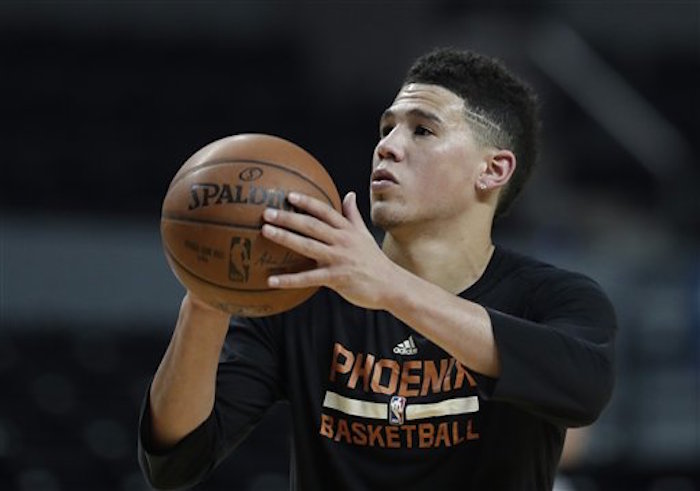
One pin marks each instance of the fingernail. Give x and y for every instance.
(270, 214)
(273, 281)
(293, 197)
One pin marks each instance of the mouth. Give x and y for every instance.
(383, 175)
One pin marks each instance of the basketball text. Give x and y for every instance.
(208, 193)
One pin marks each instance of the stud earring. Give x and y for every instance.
(482, 185)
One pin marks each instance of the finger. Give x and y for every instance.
(305, 246)
(317, 208)
(305, 279)
(300, 223)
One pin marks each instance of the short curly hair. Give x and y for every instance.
(502, 108)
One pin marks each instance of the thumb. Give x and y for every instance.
(350, 209)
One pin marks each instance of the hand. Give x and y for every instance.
(348, 258)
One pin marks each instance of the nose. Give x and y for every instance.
(391, 147)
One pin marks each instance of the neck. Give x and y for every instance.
(451, 257)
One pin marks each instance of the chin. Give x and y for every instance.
(383, 216)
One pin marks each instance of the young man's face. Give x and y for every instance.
(426, 163)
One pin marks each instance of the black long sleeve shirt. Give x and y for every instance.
(375, 405)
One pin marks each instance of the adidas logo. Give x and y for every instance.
(407, 347)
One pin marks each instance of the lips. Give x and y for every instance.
(383, 175)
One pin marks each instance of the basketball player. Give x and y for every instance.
(436, 361)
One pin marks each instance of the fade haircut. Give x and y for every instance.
(502, 109)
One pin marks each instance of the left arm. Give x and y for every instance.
(559, 366)
(460, 327)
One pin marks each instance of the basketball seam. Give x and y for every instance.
(252, 290)
(251, 161)
(176, 218)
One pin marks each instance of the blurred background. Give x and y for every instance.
(102, 102)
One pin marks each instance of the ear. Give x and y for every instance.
(500, 165)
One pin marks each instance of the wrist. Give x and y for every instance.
(393, 295)
(198, 307)
(201, 322)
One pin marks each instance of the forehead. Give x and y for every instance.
(432, 98)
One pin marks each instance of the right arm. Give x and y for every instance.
(215, 382)
(183, 389)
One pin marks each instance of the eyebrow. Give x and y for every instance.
(415, 112)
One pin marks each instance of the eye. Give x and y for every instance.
(422, 131)
(385, 130)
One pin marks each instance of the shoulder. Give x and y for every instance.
(549, 287)
(538, 274)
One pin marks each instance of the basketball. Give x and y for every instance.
(212, 217)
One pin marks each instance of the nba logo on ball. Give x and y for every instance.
(239, 260)
(396, 410)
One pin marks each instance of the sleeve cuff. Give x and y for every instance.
(181, 465)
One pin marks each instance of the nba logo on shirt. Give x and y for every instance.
(396, 410)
